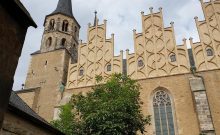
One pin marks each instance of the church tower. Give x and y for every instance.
(48, 69)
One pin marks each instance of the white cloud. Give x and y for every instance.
(123, 16)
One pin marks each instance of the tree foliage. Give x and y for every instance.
(112, 108)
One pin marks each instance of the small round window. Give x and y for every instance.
(140, 63)
(209, 52)
(172, 57)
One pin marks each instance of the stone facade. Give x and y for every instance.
(206, 52)
(95, 58)
(12, 34)
(190, 81)
(155, 50)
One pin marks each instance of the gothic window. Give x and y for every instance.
(209, 52)
(140, 63)
(109, 67)
(49, 42)
(65, 26)
(81, 71)
(63, 42)
(172, 57)
(51, 25)
(163, 114)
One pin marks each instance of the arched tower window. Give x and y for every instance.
(49, 42)
(173, 57)
(51, 24)
(65, 26)
(63, 42)
(163, 114)
(209, 52)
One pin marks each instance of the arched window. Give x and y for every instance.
(140, 63)
(65, 26)
(49, 42)
(51, 25)
(63, 42)
(209, 52)
(163, 114)
(172, 57)
(109, 67)
(81, 71)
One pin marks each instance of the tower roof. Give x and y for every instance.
(64, 7)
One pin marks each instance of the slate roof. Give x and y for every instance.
(64, 7)
(17, 102)
(19, 107)
(16, 9)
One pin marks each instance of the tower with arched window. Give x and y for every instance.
(49, 65)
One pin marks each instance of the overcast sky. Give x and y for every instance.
(123, 16)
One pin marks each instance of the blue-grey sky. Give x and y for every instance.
(123, 16)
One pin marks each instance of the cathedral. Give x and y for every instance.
(180, 86)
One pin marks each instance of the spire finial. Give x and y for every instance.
(95, 20)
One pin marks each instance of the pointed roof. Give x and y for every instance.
(64, 7)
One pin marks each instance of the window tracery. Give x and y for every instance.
(163, 114)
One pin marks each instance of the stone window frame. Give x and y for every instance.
(140, 63)
(172, 57)
(81, 71)
(65, 26)
(49, 42)
(109, 67)
(209, 51)
(52, 24)
(151, 108)
(63, 42)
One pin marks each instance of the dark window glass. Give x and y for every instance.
(163, 115)
(63, 42)
(65, 26)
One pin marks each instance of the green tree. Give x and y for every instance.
(67, 122)
(112, 108)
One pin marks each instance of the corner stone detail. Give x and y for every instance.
(202, 105)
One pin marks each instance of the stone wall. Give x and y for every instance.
(12, 35)
(96, 57)
(155, 50)
(15, 125)
(47, 71)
